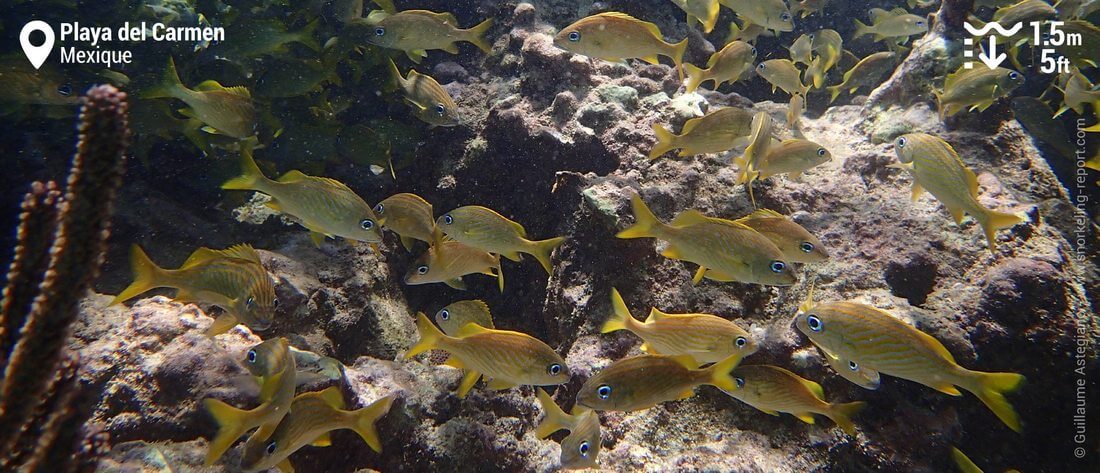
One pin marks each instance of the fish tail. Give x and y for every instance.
(695, 77)
(645, 223)
(541, 251)
(147, 275)
(991, 388)
(251, 177)
(430, 336)
(992, 221)
(834, 92)
(720, 373)
(476, 35)
(231, 426)
(620, 319)
(365, 418)
(677, 55)
(555, 420)
(841, 414)
(305, 35)
(939, 103)
(396, 73)
(665, 139)
(861, 30)
(170, 85)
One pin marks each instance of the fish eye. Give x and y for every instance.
(741, 342)
(422, 269)
(806, 247)
(814, 323)
(811, 35)
(604, 391)
(777, 266)
(785, 17)
(445, 314)
(248, 302)
(574, 36)
(920, 22)
(379, 209)
(440, 109)
(740, 382)
(448, 219)
(380, 31)
(271, 447)
(853, 366)
(753, 52)
(583, 449)
(275, 302)
(554, 369)
(821, 151)
(761, 66)
(1013, 75)
(901, 142)
(366, 224)
(65, 89)
(251, 356)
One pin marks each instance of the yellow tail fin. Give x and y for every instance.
(644, 221)
(231, 426)
(476, 35)
(251, 177)
(965, 464)
(620, 316)
(541, 251)
(695, 77)
(665, 141)
(677, 55)
(842, 414)
(834, 92)
(555, 420)
(365, 418)
(861, 30)
(720, 373)
(429, 336)
(992, 221)
(991, 388)
(169, 86)
(147, 275)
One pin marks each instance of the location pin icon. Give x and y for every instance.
(36, 54)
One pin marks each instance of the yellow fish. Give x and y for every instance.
(720, 130)
(725, 66)
(1077, 93)
(748, 32)
(614, 36)
(807, 7)
(580, 448)
(507, 359)
(724, 250)
(795, 108)
(792, 157)
(703, 11)
(457, 314)
(867, 72)
(770, 14)
(448, 261)
(800, 49)
(975, 88)
(417, 31)
(429, 101)
(312, 417)
(797, 244)
(892, 26)
(863, 336)
(409, 216)
(760, 141)
(233, 279)
(772, 390)
(829, 46)
(226, 110)
(273, 364)
(326, 207)
(936, 167)
(783, 74)
(641, 382)
(488, 230)
(707, 338)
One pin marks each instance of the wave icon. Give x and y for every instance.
(993, 25)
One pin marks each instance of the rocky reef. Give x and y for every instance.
(559, 142)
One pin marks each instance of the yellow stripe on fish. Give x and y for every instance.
(976, 89)
(448, 261)
(772, 389)
(614, 36)
(870, 339)
(936, 167)
(720, 130)
(507, 358)
(797, 244)
(707, 338)
(641, 382)
(417, 31)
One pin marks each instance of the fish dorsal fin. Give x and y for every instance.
(522, 232)
(470, 329)
(645, 24)
(293, 176)
(242, 251)
(952, 78)
(687, 361)
(239, 90)
(655, 314)
(201, 255)
(808, 303)
(690, 125)
(935, 345)
(441, 16)
(763, 213)
(331, 396)
(971, 182)
(376, 16)
(209, 86)
(689, 217)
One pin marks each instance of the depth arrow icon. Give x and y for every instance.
(992, 59)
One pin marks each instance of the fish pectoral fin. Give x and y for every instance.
(273, 205)
(769, 412)
(416, 55)
(500, 385)
(407, 242)
(716, 275)
(672, 252)
(324, 440)
(805, 417)
(957, 214)
(699, 275)
(222, 324)
(285, 466)
(948, 388)
(455, 363)
(652, 59)
(795, 176)
(467, 383)
(917, 191)
(648, 349)
(456, 283)
(317, 238)
(686, 394)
